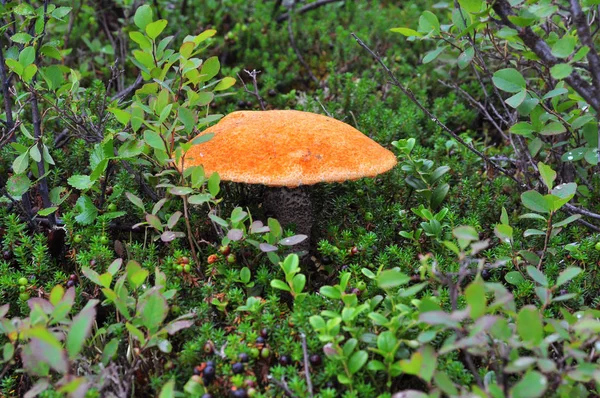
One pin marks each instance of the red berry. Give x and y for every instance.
(213, 258)
(225, 250)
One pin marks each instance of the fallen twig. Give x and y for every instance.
(306, 367)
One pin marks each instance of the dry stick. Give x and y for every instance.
(293, 44)
(127, 90)
(412, 97)
(283, 385)
(308, 7)
(306, 367)
(253, 74)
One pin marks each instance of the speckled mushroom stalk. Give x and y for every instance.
(290, 150)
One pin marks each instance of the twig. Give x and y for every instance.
(293, 44)
(412, 97)
(127, 90)
(283, 385)
(308, 7)
(306, 367)
(190, 236)
(253, 74)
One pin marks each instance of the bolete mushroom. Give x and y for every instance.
(288, 150)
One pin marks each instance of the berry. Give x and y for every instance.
(197, 370)
(207, 395)
(184, 260)
(7, 255)
(112, 207)
(210, 364)
(213, 258)
(361, 286)
(326, 260)
(563, 292)
(354, 251)
(78, 238)
(238, 393)
(251, 392)
(355, 291)
(209, 348)
(179, 268)
(265, 353)
(225, 250)
(24, 296)
(187, 268)
(264, 333)
(92, 263)
(70, 283)
(237, 368)
(209, 372)
(486, 274)
(243, 357)
(254, 352)
(231, 258)
(104, 240)
(249, 383)
(23, 281)
(272, 92)
(597, 246)
(360, 192)
(315, 360)
(284, 360)
(260, 340)
(73, 277)
(22, 288)
(369, 216)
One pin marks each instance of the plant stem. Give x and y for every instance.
(190, 236)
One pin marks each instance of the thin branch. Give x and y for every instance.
(308, 7)
(127, 90)
(253, 75)
(306, 367)
(283, 385)
(583, 31)
(412, 97)
(293, 44)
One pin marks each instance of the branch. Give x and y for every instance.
(583, 31)
(308, 7)
(412, 97)
(254, 92)
(543, 51)
(306, 367)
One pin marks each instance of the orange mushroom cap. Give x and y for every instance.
(288, 148)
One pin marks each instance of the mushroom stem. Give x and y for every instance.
(292, 206)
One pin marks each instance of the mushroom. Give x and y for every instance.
(288, 151)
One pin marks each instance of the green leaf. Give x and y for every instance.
(330, 292)
(537, 275)
(431, 55)
(517, 99)
(27, 56)
(514, 277)
(509, 80)
(199, 199)
(21, 38)
(17, 185)
(561, 71)
(548, 175)
(79, 331)
(135, 200)
(168, 390)
(532, 385)
(529, 325)
(357, 361)
(143, 16)
(406, 32)
(81, 182)
(154, 139)
(188, 118)
(21, 163)
(444, 383)
(61, 12)
(154, 29)
(122, 116)
(476, 300)
(535, 201)
(465, 58)
(47, 211)
(210, 68)
(279, 284)
(465, 232)
(567, 221)
(553, 128)
(153, 309)
(86, 209)
(48, 349)
(568, 274)
(472, 6)
(429, 23)
(564, 46)
(109, 351)
(213, 184)
(391, 278)
(225, 83)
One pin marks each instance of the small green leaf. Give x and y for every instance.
(143, 16)
(472, 6)
(391, 278)
(535, 201)
(279, 284)
(432, 55)
(154, 139)
(213, 184)
(537, 275)
(81, 182)
(135, 200)
(548, 175)
(86, 209)
(79, 331)
(516, 99)
(429, 23)
(21, 163)
(357, 361)
(564, 46)
(514, 277)
(553, 128)
(532, 385)
(529, 325)
(561, 71)
(406, 32)
(509, 80)
(225, 83)
(475, 296)
(153, 309)
(21, 38)
(210, 68)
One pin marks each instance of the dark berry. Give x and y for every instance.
(241, 104)
(209, 348)
(260, 340)
(272, 93)
(92, 263)
(356, 291)
(354, 250)
(237, 368)
(249, 383)
(210, 364)
(70, 283)
(238, 393)
(6, 255)
(485, 274)
(326, 260)
(315, 360)
(209, 372)
(284, 360)
(197, 371)
(73, 277)
(184, 260)
(264, 333)
(563, 292)
(243, 357)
